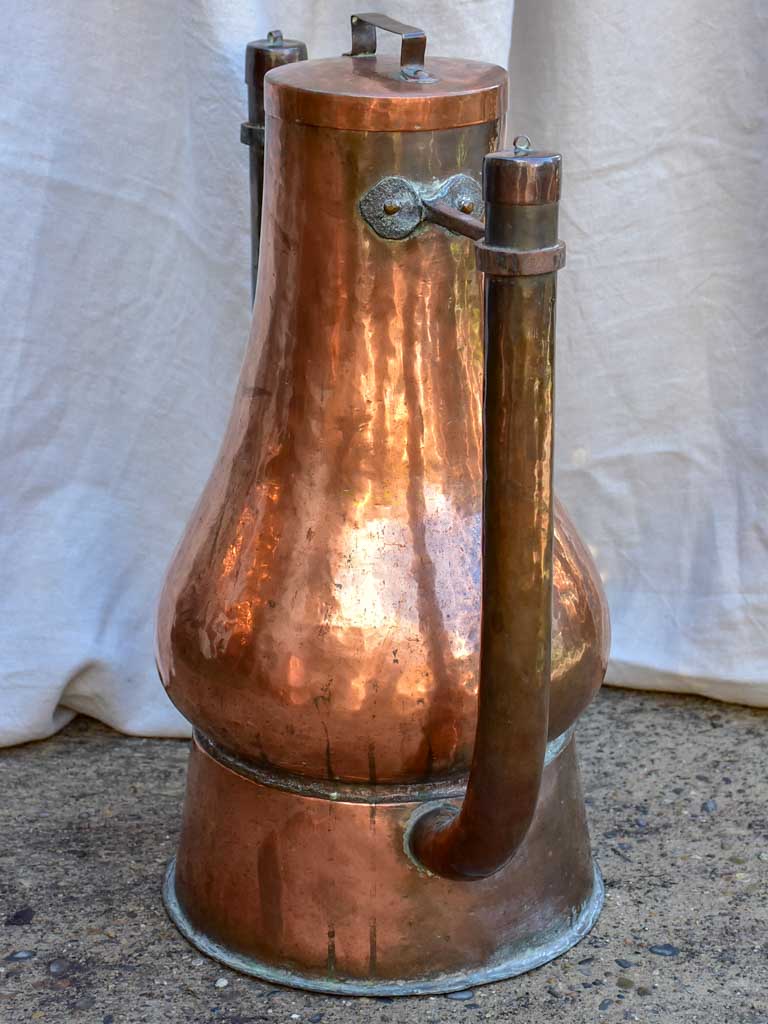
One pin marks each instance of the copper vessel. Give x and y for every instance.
(379, 621)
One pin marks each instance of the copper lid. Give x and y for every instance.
(369, 93)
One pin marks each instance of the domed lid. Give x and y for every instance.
(366, 92)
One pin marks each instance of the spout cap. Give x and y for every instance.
(521, 177)
(264, 54)
(261, 56)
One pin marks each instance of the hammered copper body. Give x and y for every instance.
(320, 622)
(322, 613)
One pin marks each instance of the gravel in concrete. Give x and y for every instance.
(678, 803)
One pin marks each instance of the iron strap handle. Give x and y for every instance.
(411, 52)
(521, 193)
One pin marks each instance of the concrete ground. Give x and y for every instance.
(678, 801)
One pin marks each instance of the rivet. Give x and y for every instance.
(391, 208)
(467, 206)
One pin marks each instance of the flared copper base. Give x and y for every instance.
(322, 893)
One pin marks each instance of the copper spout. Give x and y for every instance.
(260, 57)
(521, 193)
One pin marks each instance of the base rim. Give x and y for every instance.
(454, 982)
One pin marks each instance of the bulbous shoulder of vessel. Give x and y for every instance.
(581, 631)
(366, 672)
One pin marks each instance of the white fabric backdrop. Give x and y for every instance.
(124, 287)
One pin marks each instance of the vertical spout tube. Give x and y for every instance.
(260, 57)
(519, 255)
